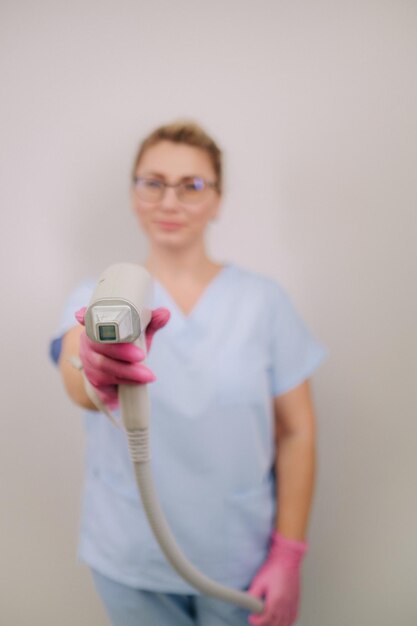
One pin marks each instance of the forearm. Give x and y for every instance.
(295, 467)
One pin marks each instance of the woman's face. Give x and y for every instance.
(170, 221)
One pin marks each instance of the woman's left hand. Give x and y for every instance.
(278, 583)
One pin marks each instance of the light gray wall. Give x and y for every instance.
(315, 106)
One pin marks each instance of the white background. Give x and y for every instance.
(314, 105)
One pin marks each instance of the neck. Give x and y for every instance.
(168, 265)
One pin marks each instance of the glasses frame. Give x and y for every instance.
(176, 186)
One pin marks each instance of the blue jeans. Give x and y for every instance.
(127, 606)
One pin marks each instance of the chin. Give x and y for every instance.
(168, 240)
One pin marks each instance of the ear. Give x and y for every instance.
(133, 201)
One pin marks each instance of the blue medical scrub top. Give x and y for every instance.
(212, 435)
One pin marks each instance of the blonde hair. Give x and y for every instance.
(189, 133)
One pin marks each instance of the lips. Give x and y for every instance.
(169, 225)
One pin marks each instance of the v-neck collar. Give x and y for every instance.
(179, 319)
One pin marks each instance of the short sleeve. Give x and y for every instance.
(295, 352)
(78, 298)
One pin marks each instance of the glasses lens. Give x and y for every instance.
(149, 189)
(193, 190)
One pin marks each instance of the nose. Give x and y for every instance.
(169, 199)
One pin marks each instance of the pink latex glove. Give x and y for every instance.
(278, 583)
(109, 365)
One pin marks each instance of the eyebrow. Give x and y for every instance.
(159, 175)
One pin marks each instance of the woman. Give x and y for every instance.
(233, 432)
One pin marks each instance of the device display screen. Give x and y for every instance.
(107, 332)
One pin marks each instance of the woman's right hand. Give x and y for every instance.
(109, 365)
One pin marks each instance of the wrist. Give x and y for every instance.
(291, 551)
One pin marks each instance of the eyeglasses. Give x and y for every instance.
(189, 190)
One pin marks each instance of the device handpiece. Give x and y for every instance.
(119, 312)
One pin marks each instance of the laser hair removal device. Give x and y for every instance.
(119, 312)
